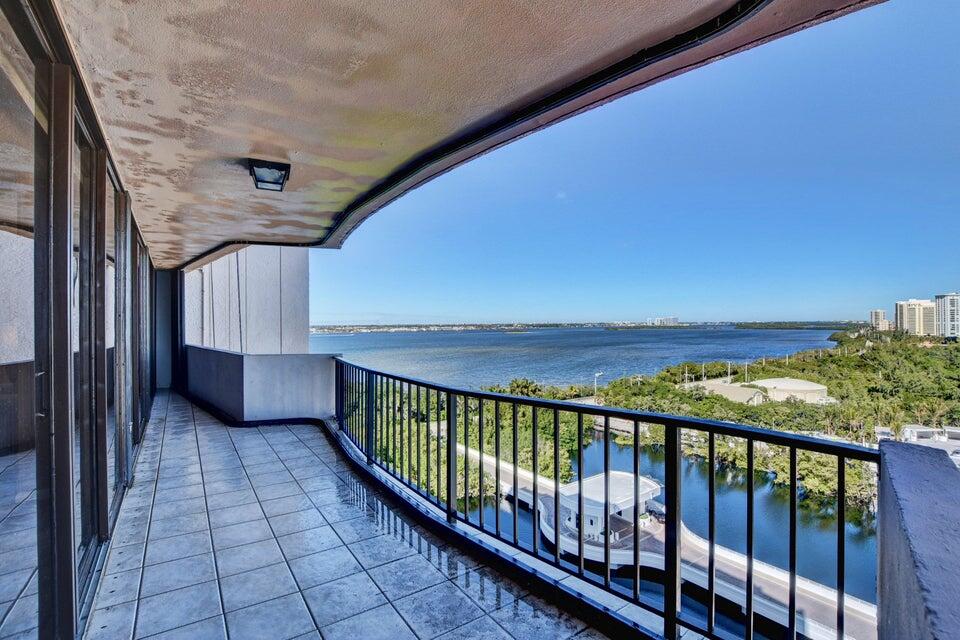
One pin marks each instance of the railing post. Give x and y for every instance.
(370, 414)
(451, 458)
(671, 568)
(338, 377)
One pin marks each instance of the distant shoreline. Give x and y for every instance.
(612, 326)
(505, 328)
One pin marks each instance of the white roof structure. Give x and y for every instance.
(921, 430)
(728, 390)
(789, 384)
(621, 492)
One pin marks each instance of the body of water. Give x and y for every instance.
(476, 359)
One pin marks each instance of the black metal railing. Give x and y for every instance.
(466, 450)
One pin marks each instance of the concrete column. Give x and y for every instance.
(295, 300)
(163, 319)
(255, 301)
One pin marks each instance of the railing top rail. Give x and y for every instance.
(759, 434)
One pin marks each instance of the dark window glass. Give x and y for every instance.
(22, 150)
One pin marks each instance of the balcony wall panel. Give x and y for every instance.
(216, 378)
(262, 387)
(290, 386)
(294, 304)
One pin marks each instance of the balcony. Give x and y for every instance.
(267, 532)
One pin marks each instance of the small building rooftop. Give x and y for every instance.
(789, 384)
(621, 492)
(730, 391)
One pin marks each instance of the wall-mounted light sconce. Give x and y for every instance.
(270, 176)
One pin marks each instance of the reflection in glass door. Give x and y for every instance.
(114, 468)
(84, 476)
(141, 333)
(23, 164)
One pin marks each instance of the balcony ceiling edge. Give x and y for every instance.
(179, 128)
(749, 24)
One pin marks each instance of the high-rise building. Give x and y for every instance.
(948, 315)
(878, 320)
(917, 317)
(669, 321)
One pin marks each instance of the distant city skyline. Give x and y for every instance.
(794, 181)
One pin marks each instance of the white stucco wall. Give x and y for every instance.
(255, 300)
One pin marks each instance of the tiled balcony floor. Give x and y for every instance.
(266, 533)
(18, 545)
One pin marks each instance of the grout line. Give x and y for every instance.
(206, 513)
(30, 495)
(153, 496)
(366, 492)
(384, 514)
(395, 523)
(160, 633)
(16, 601)
(163, 443)
(522, 590)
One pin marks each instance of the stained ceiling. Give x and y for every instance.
(351, 94)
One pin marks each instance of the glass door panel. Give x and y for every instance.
(22, 166)
(114, 462)
(84, 476)
(146, 324)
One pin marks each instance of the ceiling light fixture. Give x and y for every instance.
(270, 176)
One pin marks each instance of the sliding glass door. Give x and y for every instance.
(72, 268)
(23, 165)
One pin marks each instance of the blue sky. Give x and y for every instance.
(816, 177)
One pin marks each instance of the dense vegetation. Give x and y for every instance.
(879, 380)
(835, 325)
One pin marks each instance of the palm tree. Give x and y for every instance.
(881, 413)
(832, 419)
(896, 423)
(854, 422)
(921, 412)
(938, 409)
(524, 387)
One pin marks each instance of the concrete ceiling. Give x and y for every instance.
(366, 99)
